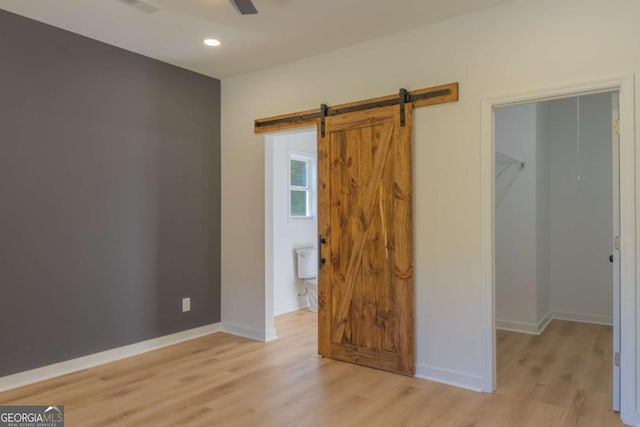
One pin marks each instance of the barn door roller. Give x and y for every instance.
(403, 100)
(323, 115)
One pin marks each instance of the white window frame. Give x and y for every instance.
(310, 159)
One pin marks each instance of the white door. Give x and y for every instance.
(615, 257)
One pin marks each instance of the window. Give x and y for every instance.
(300, 186)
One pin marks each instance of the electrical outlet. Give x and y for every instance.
(186, 304)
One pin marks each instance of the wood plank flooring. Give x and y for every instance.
(561, 378)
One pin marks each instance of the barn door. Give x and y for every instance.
(366, 270)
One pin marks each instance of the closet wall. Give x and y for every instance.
(581, 210)
(543, 214)
(553, 230)
(522, 199)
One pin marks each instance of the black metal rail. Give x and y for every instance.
(403, 98)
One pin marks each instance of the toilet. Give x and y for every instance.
(308, 271)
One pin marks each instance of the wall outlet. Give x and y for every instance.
(186, 304)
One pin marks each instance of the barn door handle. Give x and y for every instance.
(321, 241)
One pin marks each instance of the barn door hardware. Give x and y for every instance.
(404, 97)
(323, 116)
(447, 93)
(321, 241)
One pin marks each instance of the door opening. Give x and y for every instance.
(557, 217)
(291, 223)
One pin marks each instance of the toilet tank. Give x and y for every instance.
(307, 263)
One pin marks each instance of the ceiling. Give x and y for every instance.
(282, 31)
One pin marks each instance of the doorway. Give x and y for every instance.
(556, 270)
(291, 221)
(624, 247)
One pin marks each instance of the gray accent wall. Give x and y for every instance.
(109, 196)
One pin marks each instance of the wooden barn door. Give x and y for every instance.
(366, 272)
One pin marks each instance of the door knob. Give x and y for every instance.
(610, 258)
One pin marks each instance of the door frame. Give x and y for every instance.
(269, 224)
(615, 187)
(630, 298)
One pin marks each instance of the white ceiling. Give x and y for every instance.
(282, 31)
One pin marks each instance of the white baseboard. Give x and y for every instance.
(62, 368)
(522, 327)
(583, 318)
(248, 332)
(453, 378)
(290, 308)
(270, 335)
(545, 322)
(532, 328)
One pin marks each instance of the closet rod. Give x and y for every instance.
(507, 161)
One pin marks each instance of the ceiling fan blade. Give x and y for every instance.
(244, 7)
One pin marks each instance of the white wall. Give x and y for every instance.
(543, 214)
(522, 214)
(553, 232)
(516, 219)
(289, 234)
(514, 48)
(581, 211)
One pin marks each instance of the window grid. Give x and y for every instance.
(306, 189)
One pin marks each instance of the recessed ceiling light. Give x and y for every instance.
(212, 42)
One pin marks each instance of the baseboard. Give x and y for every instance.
(290, 308)
(544, 323)
(62, 368)
(583, 318)
(270, 335)
(522, 327)
(247, 332)
(537, 329)
(452, 378)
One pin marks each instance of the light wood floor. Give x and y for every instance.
(561, 378)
